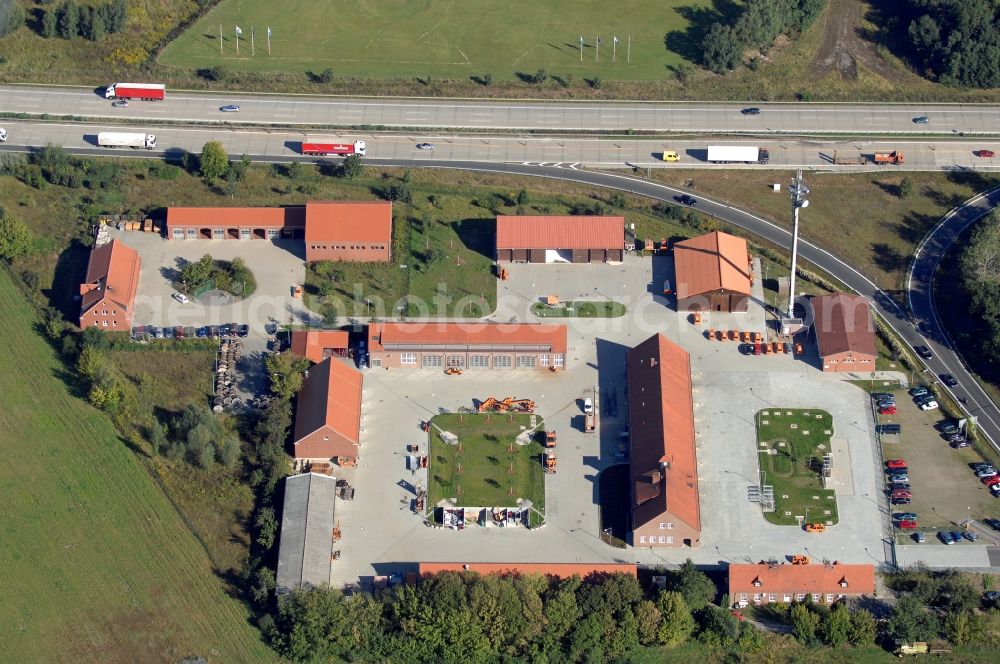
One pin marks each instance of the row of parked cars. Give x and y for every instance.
(143, 332)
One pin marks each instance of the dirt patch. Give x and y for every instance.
(843, 47)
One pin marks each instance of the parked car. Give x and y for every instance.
(945, 537)
(924, 352)
(896, 463)
(244, 331)
(684, 199)
(929, 405)
(887, 410)
(948, 380)
(919, 391)
(425, 146)
(753, 110)
(230, 108)
(988, 154)
(181, 297)
(921, 119)
(893, 429)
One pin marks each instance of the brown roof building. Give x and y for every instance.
(663, 469)
(328, 413)
(339, 231)
(317, 345)
(467, 345)
(844, 332)
(560, 239)
(763, 583)
(712, 273)
(557, 570)
(107, 296)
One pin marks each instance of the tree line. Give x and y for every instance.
(757, 25)
(955, 42)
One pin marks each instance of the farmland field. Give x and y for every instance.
(97, 565)
(441, 38)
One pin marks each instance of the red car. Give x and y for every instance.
(986, 153)
(896, 463)
(887, 410)
(907, 524)
(990, 481)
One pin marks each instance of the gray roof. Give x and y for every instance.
(306, 531)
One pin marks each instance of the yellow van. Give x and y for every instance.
(670, 155)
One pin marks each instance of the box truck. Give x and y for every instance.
(325, 147)
(143, 91)
(114, 139)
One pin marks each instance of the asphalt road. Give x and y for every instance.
(946, 360)
(922, 155)
(693, 117)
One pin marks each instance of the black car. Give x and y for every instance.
(244, 330)
(753, 110)
(924, 352)
(686, 200)
(948, 380)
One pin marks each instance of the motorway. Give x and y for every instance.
(810, 154)
(276, 149)
(676, 117)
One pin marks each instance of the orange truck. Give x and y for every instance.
(894, 157)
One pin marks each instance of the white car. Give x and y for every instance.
(3, 135)
(181, 297)
(929, 405)
(588, 405)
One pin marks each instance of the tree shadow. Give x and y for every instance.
(688, 42)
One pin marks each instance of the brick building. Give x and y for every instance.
(764, 583)
(663, 469)
(107, 295)
(712, 273)
(560, 239)
(844, 332)
(467, 345)
(339, 231)
(328, 413)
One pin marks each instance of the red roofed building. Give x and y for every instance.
(467, 345)
(339, 231)
(317, 345)
(712, 273)
(107, 296)
(844, 331)
(763, 583)
(663, 469)
(328, 413)
(565, 239)
(558, 570)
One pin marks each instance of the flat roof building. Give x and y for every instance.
(328, 413)
(844, 332)
(764, 583)
(467, 345)
(306, 543)
(663, 469)
(560, 239)
(317, 345)
(712, 273)
(107, 295)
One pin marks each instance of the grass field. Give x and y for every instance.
(790, 443)
(438, 38)
(487, 468)
(97, 565)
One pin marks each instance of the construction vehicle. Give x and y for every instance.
(915, 648)
(882, 158)
(453, 371)
(550, 463)
(800, 559)
(550, 439)
(855, 160)
(815, 528)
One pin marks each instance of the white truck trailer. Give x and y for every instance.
(737, 154)
(120, 139)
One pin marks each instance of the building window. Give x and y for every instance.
(543, 360)
(408, 358)
(428, 360)
(479, 361)
(526, 362)
(457, 361)
(557, 360)
(501, 362)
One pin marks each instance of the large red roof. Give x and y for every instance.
(369, 221)
(474, 335)
(559, 570)
(663, 467)
(560, 232)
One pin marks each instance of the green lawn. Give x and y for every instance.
(486, 465)
(97, 564)
(799, 438)
(438, 38)
(579, 309)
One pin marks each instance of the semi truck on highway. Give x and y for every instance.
(114, 139)
(143, 91)
(736, 154)
(324, 147)
(894, 157)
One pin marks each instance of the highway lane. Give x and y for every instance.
(945, 361)
(677, 117)
(922, 155)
